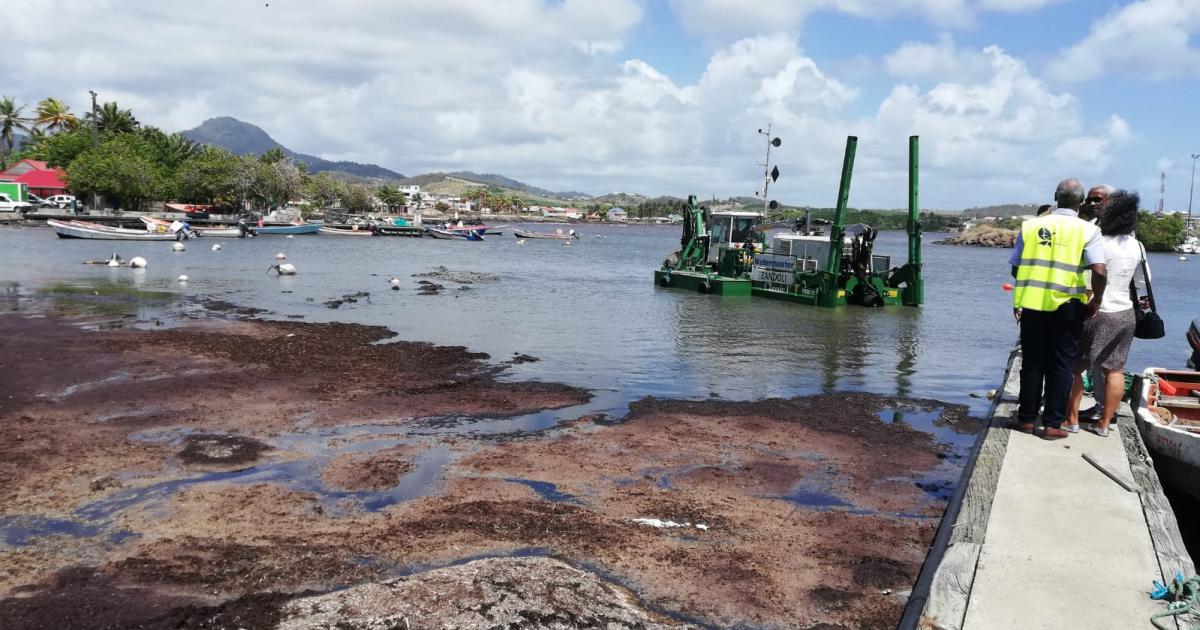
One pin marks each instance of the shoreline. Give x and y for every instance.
(223, 462)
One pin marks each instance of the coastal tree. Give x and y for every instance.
(208, 177)
(122, 169)
(323, 191)
(267, 185)
(358, 198)
(170, 149)
(60, 149)
(11, 122)
(391, 197)
(272, 155)
(53, 115)
(1160, 233)
(110, 118)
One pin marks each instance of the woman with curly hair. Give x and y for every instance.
(1106, 337)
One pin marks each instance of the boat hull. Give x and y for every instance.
(1175, 447)
(307, 228)
(71, 230)
(345, 232)
(450, 235)
(541, 235)
(702, 282)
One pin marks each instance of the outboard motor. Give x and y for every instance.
(245, 230)
(1193, 337)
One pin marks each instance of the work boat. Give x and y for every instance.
(729, 253)
(1168, 417)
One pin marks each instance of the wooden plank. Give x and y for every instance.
(1173, 557)
(939, 600)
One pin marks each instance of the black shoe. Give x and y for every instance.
(1091, 414)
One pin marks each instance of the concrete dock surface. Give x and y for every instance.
(1040, 537)
(1066, 546)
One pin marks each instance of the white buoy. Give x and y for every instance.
(394, 281)
(177, 246)
(280, 256)
(138, 262)
(183, 278)
(291, 236)
(287, 269)
(520, 241)
(216, 247)
(1183, 258)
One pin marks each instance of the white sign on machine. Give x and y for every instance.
(774, 269)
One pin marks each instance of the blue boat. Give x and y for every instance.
(303, 228)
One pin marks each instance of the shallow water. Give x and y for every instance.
(588, 311)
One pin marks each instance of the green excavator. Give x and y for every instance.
(729, 253)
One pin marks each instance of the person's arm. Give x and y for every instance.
(1099, 282)
(1014, 259)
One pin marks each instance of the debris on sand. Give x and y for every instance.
(349, 298)
(488, 593)
(666, 524)
(220, 449)
(429, 288)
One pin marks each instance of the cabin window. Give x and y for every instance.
(741, 229)
(720, 230)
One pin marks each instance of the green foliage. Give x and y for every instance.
(60, 149)
(391, 197)
(323, 191)
(1160, 233)
(53, 115)
(267, 185)
(172, 150)
(123, 168)
(357, 198)
(273, 155)
(441, 206)
(208, 177)
(110, 118)
(886, 219)
(11, 122)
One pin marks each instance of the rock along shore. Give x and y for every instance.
(983, 236)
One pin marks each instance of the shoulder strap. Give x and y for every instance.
(1146, 276)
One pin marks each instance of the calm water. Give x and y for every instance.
(592, 314)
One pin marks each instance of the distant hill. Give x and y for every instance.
(244, 138)
(623, 199)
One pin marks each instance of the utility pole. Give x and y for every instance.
(1188, 228)
(95, 143)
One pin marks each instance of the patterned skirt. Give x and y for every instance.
(1106, 340)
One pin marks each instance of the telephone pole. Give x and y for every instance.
(95, 143)
(1192, 189)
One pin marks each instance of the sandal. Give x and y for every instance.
(1098, 431)
(1071, 428)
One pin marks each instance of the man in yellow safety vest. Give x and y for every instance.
(1048, 262)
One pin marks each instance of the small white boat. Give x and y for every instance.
(461, 235)
(95, 231)
(350, 231)
(1169, 420)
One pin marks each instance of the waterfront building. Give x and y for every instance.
(42, 180)
(618, 215)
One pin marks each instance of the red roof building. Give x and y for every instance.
(42, 180)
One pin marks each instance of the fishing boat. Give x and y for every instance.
(95, 231)
(558, 234)
(352, 230)
(289, 228)
(1168, 417)
(155, 224)
(496, 230)
(462, 235)
(1169, 420)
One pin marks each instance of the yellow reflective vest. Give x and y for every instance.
(1051, 269)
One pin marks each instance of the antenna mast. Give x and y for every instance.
(769, 174)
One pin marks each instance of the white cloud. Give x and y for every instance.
(540, 92)
(1147, 39)
(722, 21)
(1013, 6)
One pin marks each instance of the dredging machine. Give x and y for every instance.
(732, 253)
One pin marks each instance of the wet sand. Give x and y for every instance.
(211, 475)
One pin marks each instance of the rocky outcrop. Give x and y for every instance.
(983, 236)
(484, 594)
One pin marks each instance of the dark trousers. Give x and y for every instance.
(1049, 347)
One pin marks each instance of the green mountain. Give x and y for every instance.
(244, 138)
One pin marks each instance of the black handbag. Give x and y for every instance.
(1149, 324)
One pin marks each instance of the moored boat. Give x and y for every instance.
(353, 230)
(1169, 420)
(557, 234)
(463, 235)
(95, 231)
(291, 228)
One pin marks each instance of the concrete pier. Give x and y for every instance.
(1041, 537)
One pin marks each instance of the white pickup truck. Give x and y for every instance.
(8, 205)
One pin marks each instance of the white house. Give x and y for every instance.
(618, 214)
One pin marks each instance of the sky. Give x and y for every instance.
(659, 97)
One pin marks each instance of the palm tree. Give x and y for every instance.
(54, 115)
(10, 123)
(113, 119)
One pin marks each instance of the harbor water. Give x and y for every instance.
(591, 314)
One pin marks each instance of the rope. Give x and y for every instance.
(1182, 596)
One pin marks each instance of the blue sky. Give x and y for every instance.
(662, 96)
